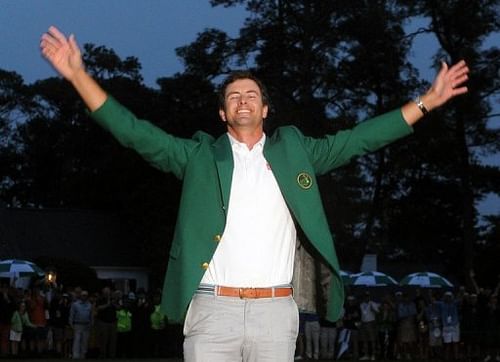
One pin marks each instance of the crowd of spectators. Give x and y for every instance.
(78, 324)
(409, 324)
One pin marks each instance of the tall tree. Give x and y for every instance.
(16, 105)
(466, 132)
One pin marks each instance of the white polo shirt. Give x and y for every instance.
(257, 247)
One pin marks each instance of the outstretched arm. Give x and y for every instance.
(64, 55)
(447, 84)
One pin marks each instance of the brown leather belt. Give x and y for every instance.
(253, 293)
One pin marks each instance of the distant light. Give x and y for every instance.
(50, 276)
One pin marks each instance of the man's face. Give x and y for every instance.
(243, 107)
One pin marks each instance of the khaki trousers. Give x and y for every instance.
(227, 329)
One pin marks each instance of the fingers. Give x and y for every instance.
(49, 48)
(55, 33)
(458, 73)
(53, 42)
(459, 80)
(443, 70)
(459, 65)
(53, 39)
(454, 77)
(458, 91)
(48, 43)
(49, 40)
(73, 44)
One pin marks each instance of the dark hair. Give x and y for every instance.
(237, 75)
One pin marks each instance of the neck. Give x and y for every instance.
(250, 138)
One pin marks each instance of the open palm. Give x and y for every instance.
(449, 82)
(63, 53)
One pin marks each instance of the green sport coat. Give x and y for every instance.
(205, 164)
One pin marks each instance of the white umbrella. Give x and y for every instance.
(372, 279)
(16, 268)
(426, 280)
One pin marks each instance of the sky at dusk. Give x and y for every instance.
(147, 29)
(150, 30)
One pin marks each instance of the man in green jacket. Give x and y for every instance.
(232, 255)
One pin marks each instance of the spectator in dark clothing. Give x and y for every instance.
(6, 310)
(489, 316)
(141, 331)
(422, 329)
(352, 322)
(386, 323)
(491, 325)
(328, 338)
(105, 324)
(58, 322)
(471, 326)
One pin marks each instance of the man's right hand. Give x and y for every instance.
(63, 53)
(65, 56)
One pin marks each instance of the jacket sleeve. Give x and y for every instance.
(160, 149)
(336, 150)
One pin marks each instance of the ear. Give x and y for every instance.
(265, 109)
(222, 115)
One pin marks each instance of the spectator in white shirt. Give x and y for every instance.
(368, 329)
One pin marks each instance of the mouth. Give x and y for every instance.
(243, 111)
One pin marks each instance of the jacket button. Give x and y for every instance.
(204, 266)
(217, 238)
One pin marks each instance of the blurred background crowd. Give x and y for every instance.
(409, 323)
(77, 324)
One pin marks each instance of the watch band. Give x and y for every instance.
(421, 105)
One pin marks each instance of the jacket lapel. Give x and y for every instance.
(281, 165)
(224, 161)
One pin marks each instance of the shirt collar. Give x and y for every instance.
(235, 143)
